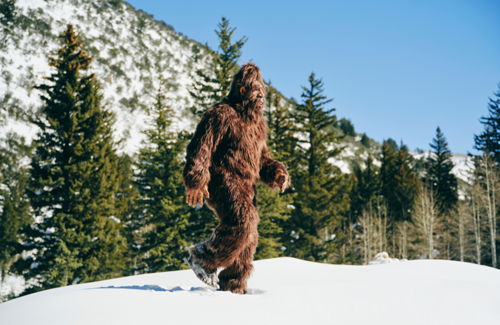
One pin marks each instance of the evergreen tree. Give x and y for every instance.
(347, 127)
(399, 184)
(365, 189)
(209, 88)
(489, 139)
(365, 140)
(393, 144)
(15, 208)
(407, 185)
(440, 178)
(321, 187)
(127, 209)
(274, 211)
(74, 178)
(275, 208)
(159, 180)
(399, 189)
(388, 171)
(280, 140)
(7, 11)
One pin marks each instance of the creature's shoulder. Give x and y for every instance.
(221, 112)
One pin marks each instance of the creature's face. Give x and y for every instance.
(255, 94)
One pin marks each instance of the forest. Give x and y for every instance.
(74, 209)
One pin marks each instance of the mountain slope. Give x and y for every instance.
(130, 50)
(282, 291)
(129, 47)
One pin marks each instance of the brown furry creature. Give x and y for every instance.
(225, 159)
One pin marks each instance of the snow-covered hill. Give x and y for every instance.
(463, 163)
(282, 291)
(129, 47)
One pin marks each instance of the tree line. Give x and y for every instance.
(74, 210)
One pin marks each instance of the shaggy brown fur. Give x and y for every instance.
(228, 154)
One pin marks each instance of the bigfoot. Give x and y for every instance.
(225, 159)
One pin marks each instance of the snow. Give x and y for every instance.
(105, 30)
(463, 163)
(383, 258)
(12, 285)
(282, 291)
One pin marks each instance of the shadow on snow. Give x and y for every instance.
(154, 287)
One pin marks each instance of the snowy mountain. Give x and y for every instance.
(282, 291)
(130, 50)
(129, 47)
(463, 163)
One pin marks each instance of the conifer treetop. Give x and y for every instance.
(440, 177)
(73, 52)
(209, 88)
(227, 55)
(489, 139)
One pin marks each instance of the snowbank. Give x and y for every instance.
(383, 258)
(283, 291)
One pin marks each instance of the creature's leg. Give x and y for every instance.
(226, 243)
(234, 277)
(236, 235)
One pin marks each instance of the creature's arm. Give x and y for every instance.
(273, 173)
(199, 152)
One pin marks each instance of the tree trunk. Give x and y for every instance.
(461, 231)
(477, 228)
(490, 198)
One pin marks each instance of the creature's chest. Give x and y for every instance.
(246, 140)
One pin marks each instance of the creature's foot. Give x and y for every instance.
(232, 285)
(210, 279)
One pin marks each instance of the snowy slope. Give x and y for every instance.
(463, 163)
(130, 50)
(283, 291)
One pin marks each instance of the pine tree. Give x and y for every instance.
(159, 180)
(74, 178)
(127, 210)
(7, 11)
(440, 178)
(364, 200)
(274, 211)
(280, 140)
(388, 171)
(407, 185)
(399, 189)
(15, 208)
(443, 184)
(226, 58)
(366, 188)
(393, 144)
(489, 139)
(365, 140)
(209, 88)
(347, 127)
(321, 187)
(275, 208)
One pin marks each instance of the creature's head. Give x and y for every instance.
(247, 87)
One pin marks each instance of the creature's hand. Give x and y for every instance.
(194, 196)
(282, 179)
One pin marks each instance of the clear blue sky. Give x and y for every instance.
(396, 69)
